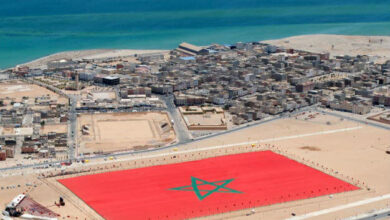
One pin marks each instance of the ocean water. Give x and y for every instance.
(30, 29)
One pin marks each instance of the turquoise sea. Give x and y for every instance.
(30, 29)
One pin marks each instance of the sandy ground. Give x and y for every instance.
(343, 45)
(42, 192)
(122, 53)
(208, 118)
(88, 54)
(383, 117)
(95, 93)
(18, 89)
(350, 151)
(121, 131)
(58, 128)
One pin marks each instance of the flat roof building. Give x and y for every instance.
(111, 80)
(190, 49)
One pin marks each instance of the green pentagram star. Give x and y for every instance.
(218, 188)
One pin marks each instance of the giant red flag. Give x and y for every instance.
(203, 187)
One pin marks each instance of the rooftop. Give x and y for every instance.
(190, 46)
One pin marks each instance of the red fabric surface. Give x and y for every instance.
(264, 178)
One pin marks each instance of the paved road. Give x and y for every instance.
(181, 130)
(184, 137)
(356, 204)
(149, 150)
(184, 140)
(72, 129)
(375, 216)
(117, 93)
(366, 122)
(204, 137)
(72, 135)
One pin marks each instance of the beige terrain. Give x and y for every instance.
(208, 118)
(339, 45)
(19, 89)
(58, 128)
(41, 191)
(383, 117)
(122, 53)
(88, 54)
(124, 131)
(347, 150)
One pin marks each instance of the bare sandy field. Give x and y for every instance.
(123, 131)
(121, 53)
(204, 119)
(18, 90)
(7, 131)
(59, 128)
(342, 45)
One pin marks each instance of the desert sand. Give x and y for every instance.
(88, 54)
(339, 45)
(16, 89)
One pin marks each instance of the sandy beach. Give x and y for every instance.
(88, 54)
(378, 46)
(339, 45)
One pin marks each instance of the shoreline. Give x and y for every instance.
(337, 45)
(87, 54)
(353, 45)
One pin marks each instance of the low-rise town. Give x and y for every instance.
(71, 117)
(207, 110)
(246, 82)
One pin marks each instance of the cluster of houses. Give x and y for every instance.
(249, 80)
(22, 125)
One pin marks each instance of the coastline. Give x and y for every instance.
(353, 45)
(336, 45)
(87, 54)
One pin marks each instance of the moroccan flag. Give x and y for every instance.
(203, 187)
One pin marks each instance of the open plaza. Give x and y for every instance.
(108, 132)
